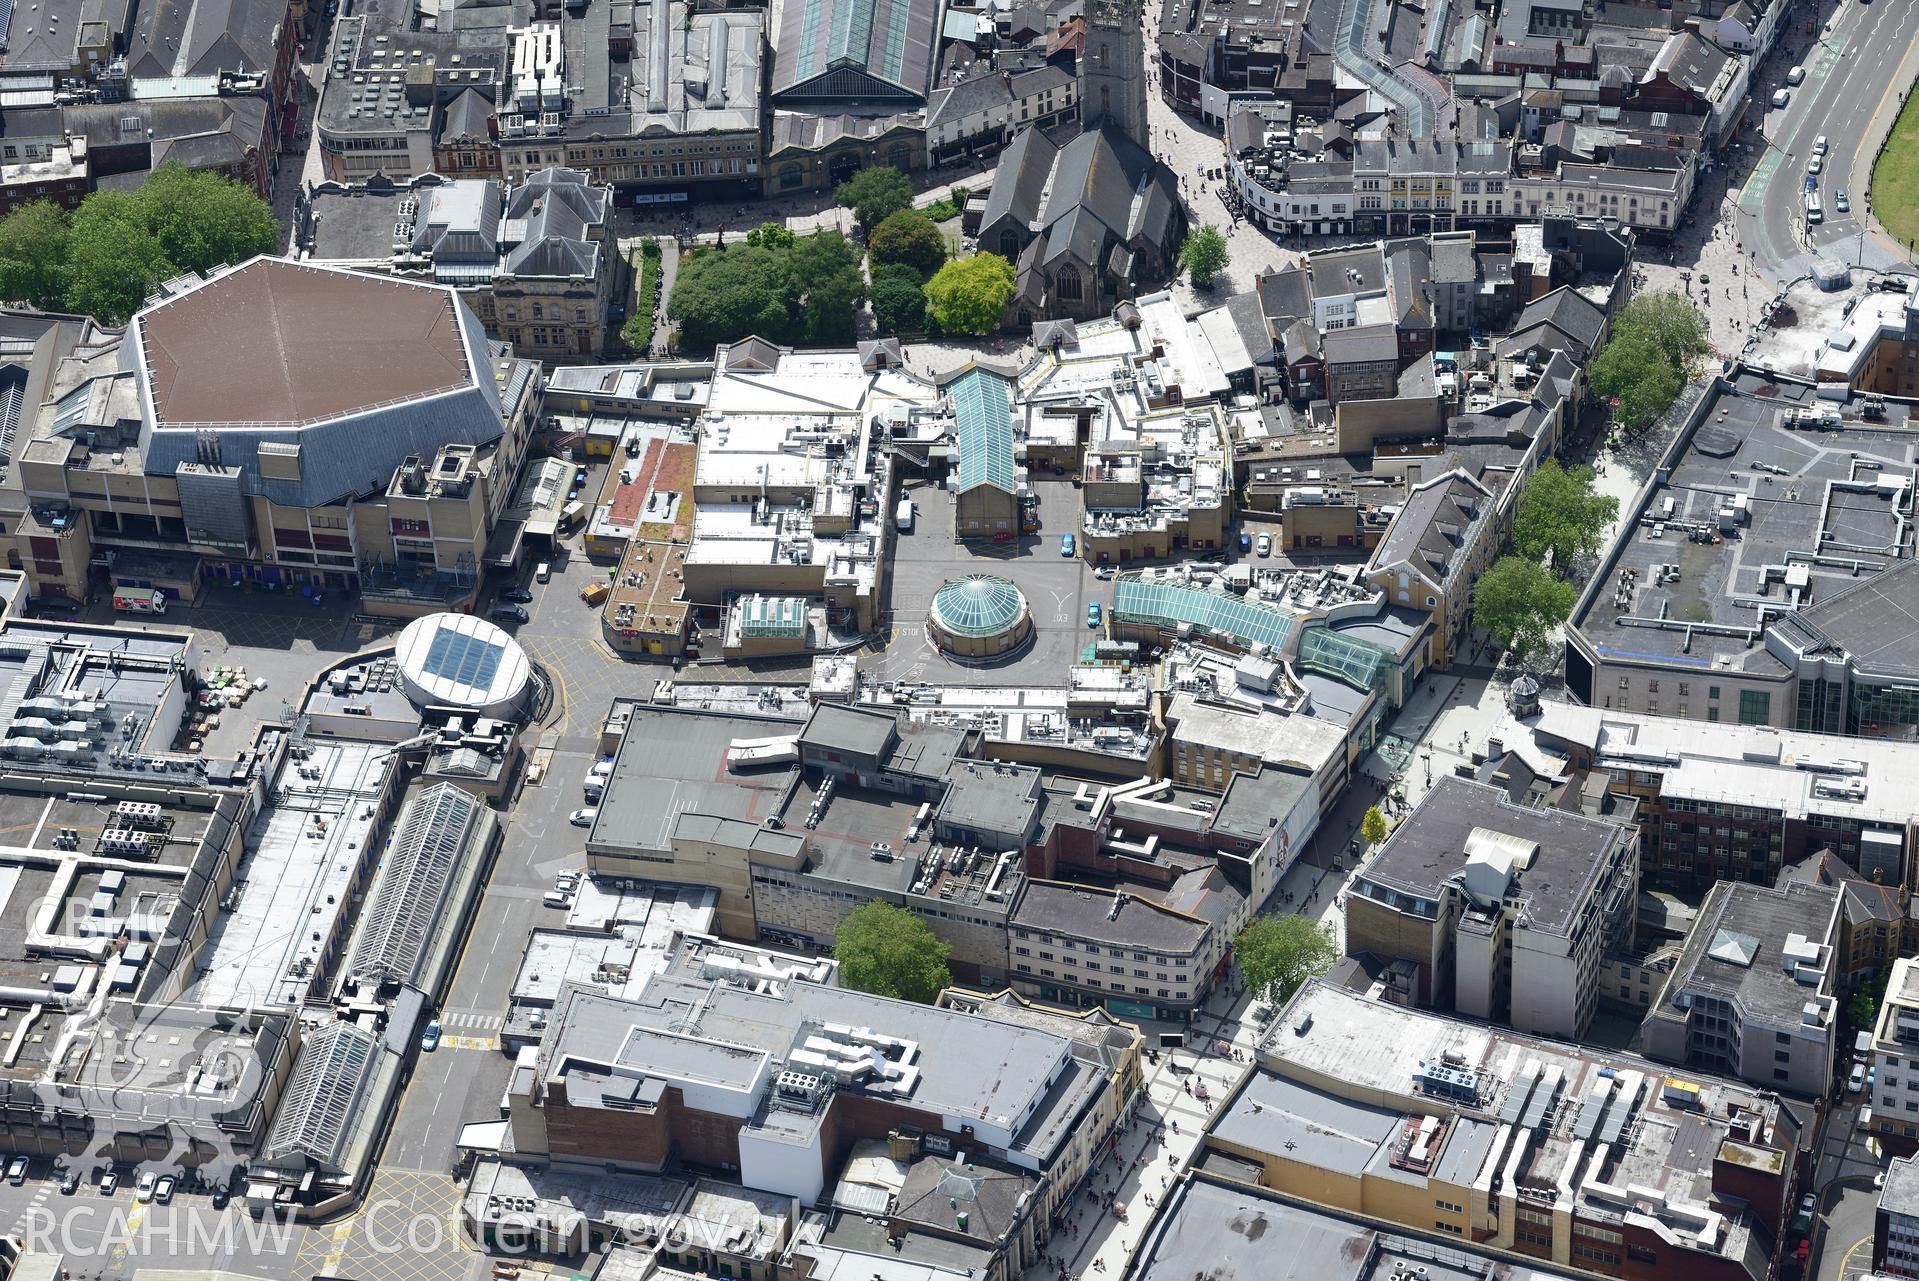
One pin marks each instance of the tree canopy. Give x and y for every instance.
(33, 256)
(909, 238)
(828, 287)
(1372, 826)
(1519, 602)
(874, 194)
(899, 303)
(888, 951)
(1644, 364)
(1562, 513)
(1280, 951)
(771, 235)
(804, 290)
(115, 250)
(1204, 254)
(968, 295)
(727, 294)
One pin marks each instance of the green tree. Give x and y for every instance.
(908, 237)
(1519, 602)
(1279, 952)
(113, 263)
(874, 194)
(122, 245)
(824, 269)
(1562, 513)
(899, 302)
(1670, 320)
(33, 256)
(203, 220)
(1645, 363)
(888, 951)
(728, 294)
(1863, 1009)
(968, 295)
(771, 235)
(1372, 826)
(1204, 255)
(1631, 371)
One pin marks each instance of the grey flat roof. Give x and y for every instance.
(1875, 622)
(1084, 913)
(672, 761)
(1734, 917)
(1214, 1230)
(971, 1068)
(1256, 804)
(1430, 846)
(849, 729)
(1741, 448)
(991, 797)
(1274, 1114)
(1901, 1193)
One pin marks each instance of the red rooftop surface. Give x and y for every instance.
(277, 342)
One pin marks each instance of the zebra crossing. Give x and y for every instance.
(471, 1029)
(27, 1214)
(472, 1020)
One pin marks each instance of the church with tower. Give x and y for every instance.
(1092, 223)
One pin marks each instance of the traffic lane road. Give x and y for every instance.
(463, 1080)
(1845, 1236)
(450, 1087)
(1848, 73)
(1844, 1152)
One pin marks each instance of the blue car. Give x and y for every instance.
(1092, 615)
(1066, 544)
(1245, 543)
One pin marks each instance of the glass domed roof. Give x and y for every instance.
(978, 605)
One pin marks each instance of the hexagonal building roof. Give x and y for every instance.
(282, 344)
(978, 605)
(335, 376)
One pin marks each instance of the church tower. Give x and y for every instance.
(1112, 72)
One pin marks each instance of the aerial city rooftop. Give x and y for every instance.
(914, 640)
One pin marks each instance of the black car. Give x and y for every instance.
(220, 1197)
(520, 594)
(507, 614)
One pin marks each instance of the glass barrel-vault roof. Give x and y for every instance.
(983, 416)
(1168, 605)
(1358, 663)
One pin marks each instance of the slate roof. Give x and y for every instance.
(552, 214)
(1429, 533)
(203, 38)
(1691, 61)
(1864, 901)
(974, 94)
(1564, 311)
(199, 133)
(1286, 296)
(1360, 343)
(1410, 267)
(468, 118)
(459, 221)
(1453, 262)
(1020, 179)
(1105, 182)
